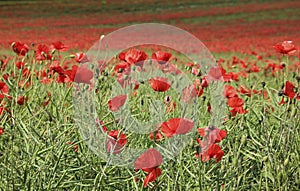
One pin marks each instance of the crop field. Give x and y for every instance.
(81, 108)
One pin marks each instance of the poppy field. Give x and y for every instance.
(53, 138)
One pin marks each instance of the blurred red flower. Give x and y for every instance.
(285, 47)
(159, 84)
(20, 48)
(42, 53)
(161, 56)
(82, 74)
(176, 126)
(1, 131)
(149, 162)
(212, 134)
(288, 89)
(116, 102)
(81, 57)
(133, 56)
(3, 90)
(214, 151)
(229, 91)
(58, 45)
(21, 100)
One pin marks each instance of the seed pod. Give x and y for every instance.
(264, 159)
(244, 139)
(286, 161)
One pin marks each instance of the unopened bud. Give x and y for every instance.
(264, 159)
(286, 162)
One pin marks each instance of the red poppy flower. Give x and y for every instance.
(83, 74)
(192, 91)
(157, 134)
(58, 46)
(3, 88)
(285, 47)
(21, 100)
(214, 151)
(149, 162)
(57, 68)
(81, 57)
(161, 56)
(20, 64)
(229, 91)
(100, 125)
(149, 159)
(1, 110)
(159, 84)
(288, 90)
(20, 48)
(212, 134)
(121, 67)
(255, 68)
(274, 67)
(215, 74)
(235, 102)
(133, 56)
(245, 91)
(204, 82)
(42, 53)
(115, 142)
(116, 102)
(231, 76)
(176, 126)
(1, 131)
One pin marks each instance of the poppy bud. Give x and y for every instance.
(244, 139)
(286, 162)
(222, 167)
(294, 111)
(280, 93)
(167, 99)
(264, 159)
